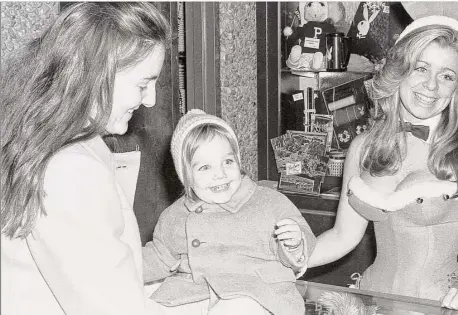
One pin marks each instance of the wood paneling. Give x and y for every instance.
(268, 76)
(339, 272)
(202, 57)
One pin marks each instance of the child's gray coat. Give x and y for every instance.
(230, 249)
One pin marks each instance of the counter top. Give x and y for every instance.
(307, 203)
(293, 80)
(386, 304)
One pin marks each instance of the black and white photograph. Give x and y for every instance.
(229, 157)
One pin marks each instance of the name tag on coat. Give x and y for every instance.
(127, 166)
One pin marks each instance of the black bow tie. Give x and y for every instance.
(419, 131)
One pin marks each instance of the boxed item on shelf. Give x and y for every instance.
(349, 106)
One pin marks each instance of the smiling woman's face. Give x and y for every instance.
(427, 91)
(133, 87)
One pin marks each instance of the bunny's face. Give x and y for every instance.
(317, 11)
(363, 28)
(364, 25)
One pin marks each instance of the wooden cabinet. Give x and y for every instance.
(339, 272)
(320, 214)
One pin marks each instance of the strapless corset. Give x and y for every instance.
(416, 228)
(422, 203)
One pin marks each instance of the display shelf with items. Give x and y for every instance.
(291, 39)
(301, 161)
(305, 26)
(350, 107)
(333, 104)
(340, 95)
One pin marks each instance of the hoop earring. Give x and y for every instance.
(452, 101)
(397, 103)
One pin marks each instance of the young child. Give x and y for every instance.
(228, 245)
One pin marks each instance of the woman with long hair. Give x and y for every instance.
(70, 240)
(402, 173)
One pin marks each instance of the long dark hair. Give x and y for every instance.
(58, 91)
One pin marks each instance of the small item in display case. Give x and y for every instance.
(296, 110)
(323, 123)
(301, 161)
(300, 183)
(292, 110)
(309, 108)
(333, 193)
(300, 146)
(336, 163)
(349, 105)
(309, 35)
(313, 143)
(337, 52)
(376, 26)
(342, 303)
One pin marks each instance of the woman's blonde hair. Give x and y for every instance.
(384, 147)
(50, 90)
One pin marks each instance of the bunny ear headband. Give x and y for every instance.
(429, 20)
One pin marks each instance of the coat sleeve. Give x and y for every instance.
(296, 259)
(159, 259)
(78, 246)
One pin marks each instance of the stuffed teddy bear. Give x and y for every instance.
(310, 34)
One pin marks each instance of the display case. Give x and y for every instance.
(275, 79)
(323, 299)
(341, 96)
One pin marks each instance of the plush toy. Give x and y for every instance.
(313, 23)
(338, 303)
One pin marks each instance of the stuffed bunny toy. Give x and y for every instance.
(339, 303)
(314, 24)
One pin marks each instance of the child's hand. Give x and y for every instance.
(288, 233)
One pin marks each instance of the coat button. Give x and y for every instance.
(446, 197)
(199, 210)
(419, 200)
(195, 243)
(349, 193)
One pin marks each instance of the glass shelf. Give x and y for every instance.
(387, 304)
(318, 81)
